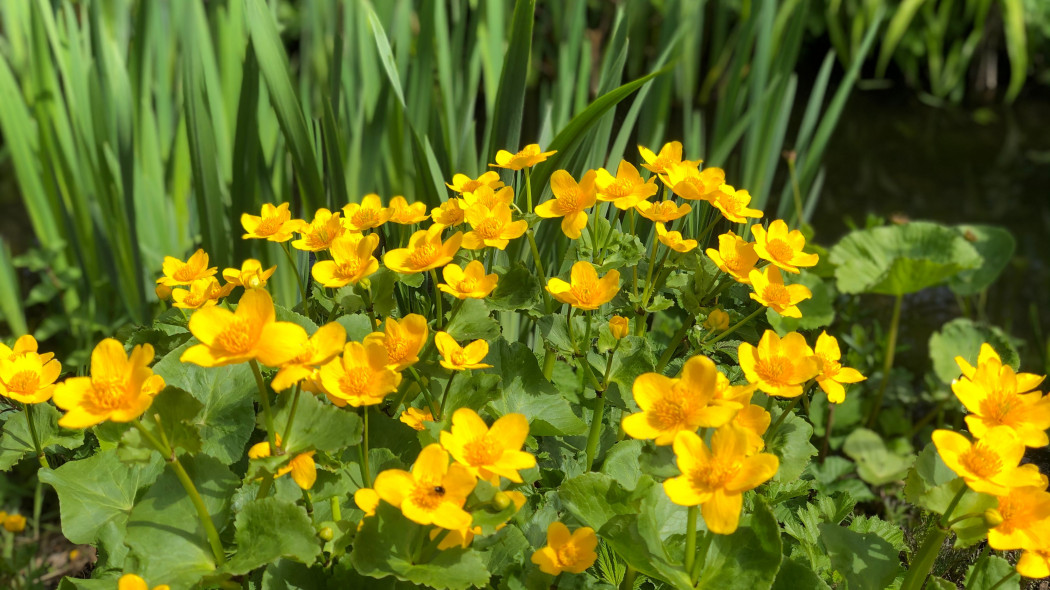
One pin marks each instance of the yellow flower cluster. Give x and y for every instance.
(1006, 415)
(12, 523)
(781, 366)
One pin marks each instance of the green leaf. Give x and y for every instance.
(996, 247)
(622, 463)
(633, 358)
(865, 560)
(269, 529)
(987, 573)
(963, 337)
(385, 546)
(594, 498)
(510, 95)
(525, 391)
(876, 464)
(791, 444)
(901, 259)
(473, 322)
(177, 410)
(517, 289)
(817, 312)
(747, 559)
(228, 393)
(793, 575)
(941, 584)
(285, 574)
(164, 532)
(639, 545)
(318, 425)
(16, 441)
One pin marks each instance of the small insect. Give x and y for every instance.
(439, 490)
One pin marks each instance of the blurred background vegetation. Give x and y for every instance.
(132, 130)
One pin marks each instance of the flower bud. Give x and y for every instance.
(500, 501)
(619, 326)
(993, 518)
(15, 523)
(717, 320)
(163, 292)
(326, 533)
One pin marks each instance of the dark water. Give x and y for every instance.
(892, 155)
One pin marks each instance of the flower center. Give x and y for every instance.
(567, 554)
(829, 368)
(24, 382)
(306, 353)
(569, 202)
(998, 406)
(660, 164)
(470, 186)
(777, 295)
(196, 298)
(780, 250)
(667, 414)
(732, 262)
(713, 476)
(185, 274)
(467, 285)
(490, 228)
(481, 451)
(237, 337)
(268, 226)
(428, 495)
(396, 348)
(775, 370)
(1013, 513)
(459, 358)
(348, 269)
(585, 292)
(423, 255)
(355, 381)
(981, 461)
(108, 393)
(365, 218)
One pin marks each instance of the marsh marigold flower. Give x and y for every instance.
(717, 478)
(492, 227)
(361, 377)
(403, 340)
(484, 196)
(28, 377)
(24, 344)
(302, 466)
(528, 157)
(734, 204)
(782, 247)
(133, 582)
(1035, 561)
(735, 256)
(461, 183)
(415, 417)
(250, 275)
(626, 189)
(770, 290)
(468, 283)
(325, 344)
(571, 201)
(753, 420)
(425, 251)
(177, 272)
(120, 387)
(717, 320)
(432, 493)
(585, 290)
(690, 183)
(832, 374)
(449, 214)
(367, 500)
(404, 213)
(368, 214)
(352, 260)
(489, 453)
(14, 523)
(565, 551)
(252, 332)
(460, 358)
(670, 153)
(674, 240)
(779, 366)
(619, 327)
(320, 233)
(275, 224)
(202, 293)
(997, 396)
(662, 211)
(1022, 514)
(991, 464)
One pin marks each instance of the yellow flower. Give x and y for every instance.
(716, 478)
(432, 493)
(995, 395)
(832, 373)
(492, 227)
(449, 214)
(690, 183)
(487, 452)
(252, 332)
(202, 293)
(585, 290)
(771, 291)
(528, 157)
(990, 465)
(27, 377)
(302, 466)
(361, 377)
(14, 523)
(570, 202)
(662, 211)
(133, 582)
(1021, 513)
(320, 233)
(352, 260)
(24, 344)
(619, 327)
(468, 283)
(626, 189)
(403, 340)
(716, 321)
(779, 366)
(275, 224)
(734, 256)
(325, 344)
(368, 214)
(177, 272)
(461, 183)
(250, 276)
(367, 500)
(673, 239)
(1035, 561)
(670, 406)
(670, 153)
(405, 214)
(566, 552)
(753, 420)
(781, 247)
(458, 358)
(425, 251)
(734, 204)
(485, 197)
(163, 292)
(415, 417)
(119, 389)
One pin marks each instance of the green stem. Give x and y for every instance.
(425, 391)
(370, 308)
(594, 437)
(366, 471)
(458, 305)
(920, 568)
(1004, 579)
(634, 269)
(628, 578)
(337, 513)
(639, 329)
(673, 346)
(702, 236)
(437, 299)
(737, 325)
(35, 436)
(264, 400)
(539, 268)
(295, 267)
(594, 234)
(783, 416)
(444, 395)
(887, 365)
(549, 357)
(701, 554)
(690, 538)
(827, 433)
(528, 189)
(291, 416)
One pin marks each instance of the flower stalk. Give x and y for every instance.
(264, 401)
(35, 436)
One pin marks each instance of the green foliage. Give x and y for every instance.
(963, 337)
(16, 441)
(876, 464)
(526, 392)
(865, 560)
(748, 558)
(258, 546)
